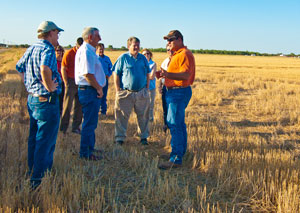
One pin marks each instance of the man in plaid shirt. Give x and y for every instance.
(38, 69)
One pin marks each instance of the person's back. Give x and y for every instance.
(69, 62)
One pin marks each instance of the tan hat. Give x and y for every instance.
(47, 26)
(174, 34)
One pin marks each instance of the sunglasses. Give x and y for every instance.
(171, 39)
(146, 54)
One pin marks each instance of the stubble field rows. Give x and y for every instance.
(243, 147)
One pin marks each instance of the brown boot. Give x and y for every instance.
(168, 165)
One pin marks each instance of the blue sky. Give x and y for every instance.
(255, 25)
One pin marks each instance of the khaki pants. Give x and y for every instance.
(71, 94)
(151, 107)
(125, 101)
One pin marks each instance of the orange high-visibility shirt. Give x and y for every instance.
(182, 60)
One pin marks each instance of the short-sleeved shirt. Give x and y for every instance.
(68, 62)
(106, 64)
(182, 60)
(164, 65)
(41, 53)
(132, 71)
(87, 62)
(152, 82)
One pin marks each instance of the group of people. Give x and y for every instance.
(84, 71)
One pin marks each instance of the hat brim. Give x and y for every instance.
(59, 29)
(168, 37)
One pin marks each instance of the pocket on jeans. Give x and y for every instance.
(44, 111)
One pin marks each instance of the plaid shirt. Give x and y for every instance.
(41, 53)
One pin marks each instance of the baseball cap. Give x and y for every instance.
(47, 26)
(174, 34)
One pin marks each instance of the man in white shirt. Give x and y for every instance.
(90, 78)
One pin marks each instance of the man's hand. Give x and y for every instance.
(52, 86)
(90, 78)
(163, 73)
(100, 93)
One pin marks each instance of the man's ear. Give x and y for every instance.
(90, 37)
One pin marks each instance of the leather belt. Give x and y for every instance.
(170, 88)
(84, 87)
(134, 90)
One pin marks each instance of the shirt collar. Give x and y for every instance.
(180, 50)
(46, 42)
(138, 55)
(150, 61)
(89, 46)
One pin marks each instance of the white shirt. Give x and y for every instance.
(87, 62)
(165, 64)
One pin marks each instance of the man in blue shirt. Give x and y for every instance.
(131, 78)
(38, 69)
(106, 65)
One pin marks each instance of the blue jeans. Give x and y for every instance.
(44, 123)
(177, 100)
(103, 105)
(90, 109)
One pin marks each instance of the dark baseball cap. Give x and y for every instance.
(173, 34)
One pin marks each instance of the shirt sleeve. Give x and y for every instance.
(90, 62)
(20, 66)
(148, 70)
(165, 63)
(185, 63)
(47, 57)
(117, 67)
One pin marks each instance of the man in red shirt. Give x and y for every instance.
(178, 78)
(71, 91)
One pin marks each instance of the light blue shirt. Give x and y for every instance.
(106, 65)
(41, 53)
(132, 71)
(152, 82)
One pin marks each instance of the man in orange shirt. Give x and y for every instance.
(178, 78)
(71, 91)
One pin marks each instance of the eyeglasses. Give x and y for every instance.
(146, 54)
(171, 39)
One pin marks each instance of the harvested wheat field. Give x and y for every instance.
(243, 147)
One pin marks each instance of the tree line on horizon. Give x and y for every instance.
(200, 51)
